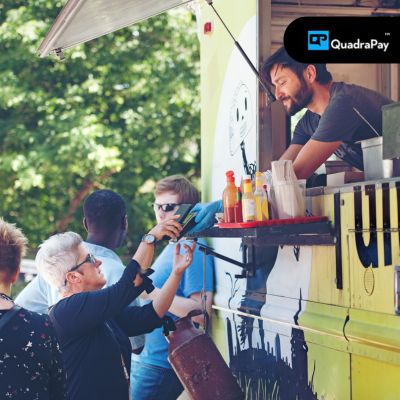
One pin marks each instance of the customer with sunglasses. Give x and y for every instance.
(105, 220)
(152, 376)
(93, 324)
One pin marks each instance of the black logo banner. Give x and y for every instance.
(344, 39)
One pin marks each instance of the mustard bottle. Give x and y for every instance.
(248, 204)
(260, 199)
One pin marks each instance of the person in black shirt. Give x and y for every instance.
(331, 123)
(93, 324)
(30, 358)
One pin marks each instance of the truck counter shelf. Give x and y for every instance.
(306, 231)
(316, 231)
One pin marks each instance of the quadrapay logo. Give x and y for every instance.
(343, 40)
(319, 40)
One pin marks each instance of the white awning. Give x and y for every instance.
(83, 20)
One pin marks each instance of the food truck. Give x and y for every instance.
(301, 311)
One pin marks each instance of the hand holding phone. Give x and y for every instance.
(188, 223)
(186, 219)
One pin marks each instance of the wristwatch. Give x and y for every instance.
(149, 238)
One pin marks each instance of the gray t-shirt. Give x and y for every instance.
(340, 122)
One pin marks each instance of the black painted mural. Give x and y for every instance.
(260, 368)
(261, 371)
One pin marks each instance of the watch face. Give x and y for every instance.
(149, 238)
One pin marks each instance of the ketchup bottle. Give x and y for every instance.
(229, 197)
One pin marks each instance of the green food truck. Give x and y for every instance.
(301, 311)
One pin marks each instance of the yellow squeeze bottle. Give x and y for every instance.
(248, 204)
(260, 199)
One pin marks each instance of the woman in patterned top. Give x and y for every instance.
(30, 359)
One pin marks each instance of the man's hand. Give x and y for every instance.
(206, 215)
(169, 227)
(182, 261)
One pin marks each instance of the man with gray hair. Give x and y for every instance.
(93, 324)
(105, 220)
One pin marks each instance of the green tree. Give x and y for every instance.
(121, 112)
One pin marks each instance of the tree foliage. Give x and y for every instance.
(121, 112)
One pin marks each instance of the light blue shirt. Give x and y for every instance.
(38, 295)
(155, 351)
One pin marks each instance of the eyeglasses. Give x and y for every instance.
(90, 258)
(166, 207)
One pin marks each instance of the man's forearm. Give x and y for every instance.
(144, 255)
(164, 297)
(181, 306)
(291, 152)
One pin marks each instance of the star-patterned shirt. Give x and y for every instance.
(30, 359)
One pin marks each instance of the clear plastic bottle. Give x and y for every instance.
(229, 197)
(248, 204)
(260, 199)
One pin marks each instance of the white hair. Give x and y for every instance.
(56, 256)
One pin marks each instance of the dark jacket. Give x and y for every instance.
(93, 329)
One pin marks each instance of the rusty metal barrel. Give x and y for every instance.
(199, 365)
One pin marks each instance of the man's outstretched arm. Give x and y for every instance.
(313, 154)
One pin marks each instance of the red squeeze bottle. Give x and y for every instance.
(238, 206)
(229, 197)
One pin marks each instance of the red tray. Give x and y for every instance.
(287, 221)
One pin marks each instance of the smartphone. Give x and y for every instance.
(186, 219)
(183, 211)
(188, 223)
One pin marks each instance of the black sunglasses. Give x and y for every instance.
(166, 207)
(90, 258)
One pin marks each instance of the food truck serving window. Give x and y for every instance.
(83, 20)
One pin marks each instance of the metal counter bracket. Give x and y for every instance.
(248, 268)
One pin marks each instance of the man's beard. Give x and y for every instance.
(300, 99)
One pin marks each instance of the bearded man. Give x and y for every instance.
(331, 123)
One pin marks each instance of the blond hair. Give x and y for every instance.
(180, 185)
(12, 248)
